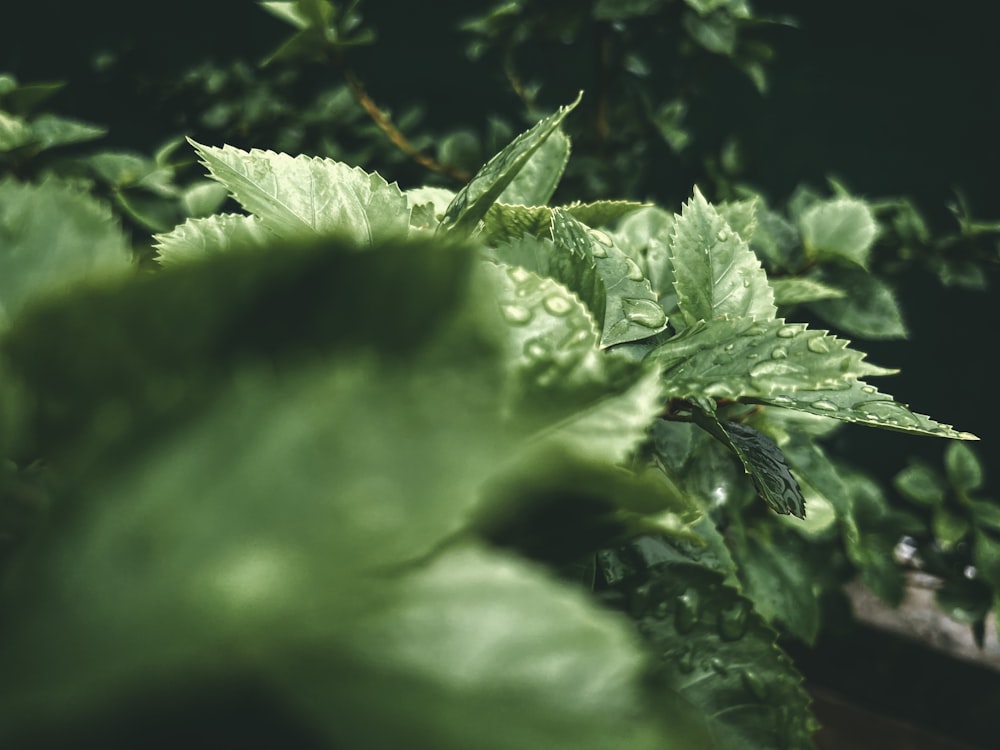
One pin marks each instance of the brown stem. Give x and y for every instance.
(386, 125)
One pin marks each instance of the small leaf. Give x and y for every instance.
(795, 290)
(863, 404)
(14, 132)
(715, 272)
(296, 196)
(868, 307)
(762, 461)
(503, 223)
(632, 311)
(840, 229)
(986, 556)
(921, 484)
(204, 198)
(986, 513)
(53, 237)
(739, 358)
(949, 527)
(472, 201)
(538, 178)
(49, 131)
(196, 238)
(741, 216)
(965, 472)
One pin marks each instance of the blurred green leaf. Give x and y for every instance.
(868, 306)
(965, 472)
(920, 483)
(841, 229)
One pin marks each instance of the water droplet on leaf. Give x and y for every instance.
(634, 273)
(824, 405)
(557, 305)
(818, 345)
(779, 352)
(774, 368)
(788, 332)
(518, 275)
(516, 314)
(645, 312)
(687, 612)
(754, 685)
(734, 621)
(723, 235)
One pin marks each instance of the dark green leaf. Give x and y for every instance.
(965, 472)
(920, 483)
(868, 307)
(538, 178)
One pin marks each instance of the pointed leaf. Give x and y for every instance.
(504, 222)
(794, 290)
(921, 484)
(715, 272)
(48, 131)
(965, 472)
(840, 229)
(632, 310)
(715, 650)
(307, 195)
(53, 237)
(601, 213)
(538, 178)
(741, 216)
(196, 238)
(863, 404)
(472, 201)
(762, 461)
(738, 359)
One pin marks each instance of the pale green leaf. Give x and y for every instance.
(776, 241)
(48, 131)
(861, 403)
(739, 358)
(53, 237)
(296, 196)
(965, 472)
(203, 198)
(481, 650)
(196, 238)
(949, 527)
(839, 229)
(644, 236)
(715, 650)
(288, 11)
(601, 213)
(471, 203)
(920, 483)
(613, 427)
(575, 270)
(632, 311)
(504, 222)
(867, 308)
(715, 272)
(741, 216)
(538, 178)
(795, 290)
(14, 132)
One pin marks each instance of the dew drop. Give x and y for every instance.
(638, 601)
(824, 405)
(746, 282)
(645, 312)
(869, 389)
(818, 345)
(734, 621)
(598, 251)
(634, 273)
(557, 305)
(519, 275)
(891, 412)
(788, 332)
(754, 685)
(729, 347)
(601, 237)
(723, 235)
(687, 612)
(516, 314)
(782, 400)
(536, 349)
(773, 368)
(779, 352)
(718, 666)
(685, 660)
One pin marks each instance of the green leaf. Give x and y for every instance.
(715, 650)
(53, 237)
(288, 11)
(196, 238)
(868, 307)
(644, 235)
(739, 358)
(632, 311)
(715, 273)
(470, 205)
(296, 196)
(986, 556)
(14, 132)
(601, 213)
(863, 404)
(481, 650)
(778, 582)
(949, 527)
(49, 131)
(762, 461)
(920, 483)
(840, 229)
(203, 198)
(508, 222)
(965, 472)
(793, 291)
(776, 241)
(741, 216)
(157, 344)
(986, 513)
(535, 183)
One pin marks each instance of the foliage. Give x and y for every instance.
(445, 468)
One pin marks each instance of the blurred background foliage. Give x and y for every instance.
(893, 102)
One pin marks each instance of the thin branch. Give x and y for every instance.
(394, 134)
